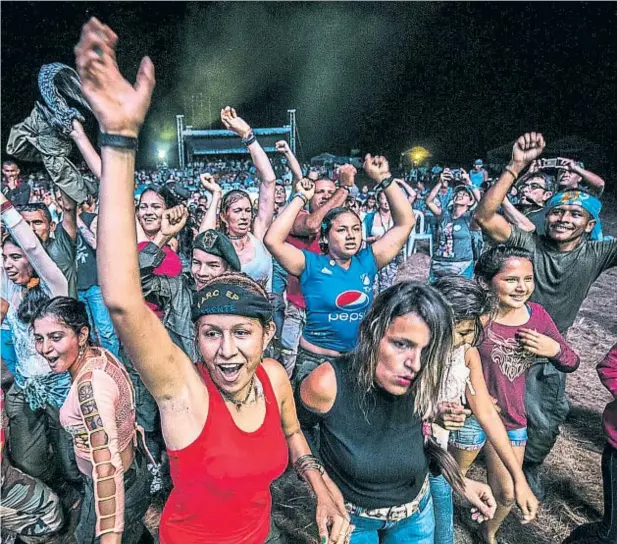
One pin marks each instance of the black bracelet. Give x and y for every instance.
(385, 183)
(303, 197)
(250, 139)
(117, 140)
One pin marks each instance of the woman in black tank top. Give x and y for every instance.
(371, 407)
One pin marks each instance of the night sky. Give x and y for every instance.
(459, 78)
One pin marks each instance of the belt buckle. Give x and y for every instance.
(397, 513)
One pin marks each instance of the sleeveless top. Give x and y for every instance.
(455, 378)
(222, 480)
(375, 456)
(260, 266)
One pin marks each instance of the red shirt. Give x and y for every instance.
(505, 363)
(310, 243)
(170, 267)
(222, 480)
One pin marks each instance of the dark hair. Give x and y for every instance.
(165, 193)
(549, 180)
(408, 297)
(469, 301)
(326, 225)
(34, 296)
(10, 163)
(36, 207)
(492, 261)
(70, 311)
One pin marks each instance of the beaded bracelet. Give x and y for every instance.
(303, 197)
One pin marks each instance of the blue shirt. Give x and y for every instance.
(336, 299)
(454, 238)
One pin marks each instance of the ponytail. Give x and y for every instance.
(440, 462)
(33, 299)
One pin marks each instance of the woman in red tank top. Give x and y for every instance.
(229, 421)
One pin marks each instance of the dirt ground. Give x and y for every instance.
(572, 471)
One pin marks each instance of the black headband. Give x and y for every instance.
(231, 300)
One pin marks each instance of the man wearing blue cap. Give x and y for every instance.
(566, 264)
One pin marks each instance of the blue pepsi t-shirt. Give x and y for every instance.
(336, 299)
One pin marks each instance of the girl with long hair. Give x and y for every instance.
(521, 334)
(99, 413)
(371, 404)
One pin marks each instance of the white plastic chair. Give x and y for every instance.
(418, 234)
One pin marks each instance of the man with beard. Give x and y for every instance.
(305, 235)
(15, 189)
(566, 264)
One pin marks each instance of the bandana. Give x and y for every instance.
(230, 300)
(589, 203)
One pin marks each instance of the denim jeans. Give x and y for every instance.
(444, 510)
(100, 318)
(34, 433)
(416, 529)
(547, 408)
(471, 436)
(295, 319)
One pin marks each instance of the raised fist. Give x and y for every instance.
(306, 187)
(376, 168)
(528, 147)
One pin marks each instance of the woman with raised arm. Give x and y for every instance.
(230, 420)
(29, 277)
(99, 413)
(237, 222)
(338, 285)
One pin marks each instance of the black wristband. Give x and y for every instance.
(117, 140)
(385, 183)
(250, 139)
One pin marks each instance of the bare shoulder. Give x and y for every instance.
(318, 390)
(472, 356)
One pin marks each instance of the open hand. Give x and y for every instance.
(173, 220)
(376, 168)
(451, 415)
(230, 119)
(538, 344)
(119, 107)
(306, 187)
(528, 147)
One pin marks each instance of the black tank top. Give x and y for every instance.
(376, 457)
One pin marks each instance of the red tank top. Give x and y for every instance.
(222, 480)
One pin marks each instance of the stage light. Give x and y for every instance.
(419, 154)
(162, 154)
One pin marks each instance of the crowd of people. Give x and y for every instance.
(240, 317)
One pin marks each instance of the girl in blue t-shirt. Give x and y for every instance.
(338, 284)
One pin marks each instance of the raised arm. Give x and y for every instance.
(387, 247)
(44, 266)
(593, 181)
(283, 147)
(528, 147)
(90, 155)
(86, 233)
(69, 214)
(209, 220)
(289, 257)
(120, 109)
(430, 199)
(515, 217)
(265, 213)
(309, 224)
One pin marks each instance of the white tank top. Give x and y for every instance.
(455, 378)
(260, 266)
